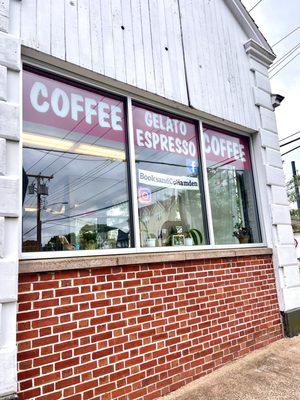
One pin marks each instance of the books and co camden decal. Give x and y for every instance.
(167, 181)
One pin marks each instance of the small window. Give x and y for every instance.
(75, 188)
(231, 188)
(169, 187)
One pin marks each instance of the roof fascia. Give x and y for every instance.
(247, 23)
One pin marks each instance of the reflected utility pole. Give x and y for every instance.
(41, 190)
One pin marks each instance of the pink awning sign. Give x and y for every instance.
(224, 150)
(57, 104)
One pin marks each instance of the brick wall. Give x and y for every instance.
(138, 332)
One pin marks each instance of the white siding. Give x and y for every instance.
(149, 44)
(141, 42)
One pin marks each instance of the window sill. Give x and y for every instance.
(60, 264)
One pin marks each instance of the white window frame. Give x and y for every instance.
(198, 119)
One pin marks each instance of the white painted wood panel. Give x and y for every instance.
(217, 67)
(57, 40)
(173, 48)
(118, 39)
(29, 23)
(138, 45)
(71, 32)
(174, 53)
(43, 25)
(128, 43)
(108, 42)
(84, 34)
(159, 42)
(96, 37)
(147, 46)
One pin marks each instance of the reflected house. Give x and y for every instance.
(153, 244)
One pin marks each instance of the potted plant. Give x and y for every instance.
(151, 240)
(188, 240)
(242, 233)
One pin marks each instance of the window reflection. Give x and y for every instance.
(75, 169)
(170, 194)
(232, 196)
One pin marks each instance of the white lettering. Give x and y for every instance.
(182, 128)
(223, 146)
(139, 138)
(215, 145)
(148, 142)
(192, 149)
(116, 120)
(102, 115)
(206, 143)
(235, 150)
(229, 148)
(163, 142)
(148, 118)
(155, 139)
(59, 96)
(38, 89)
(90, 109)
(171, 144)
(75, 106)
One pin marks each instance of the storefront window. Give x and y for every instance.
(170, 192)
(75, 188)
(232, 196)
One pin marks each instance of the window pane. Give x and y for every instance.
(232, 196)
(75, 170)
(170, 193)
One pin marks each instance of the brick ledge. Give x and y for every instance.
(59, 264)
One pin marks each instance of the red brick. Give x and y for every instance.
(168, 319)
(67, 382)
(44, 341)
(46, 379)
(25, 355)
(45, 322)
(51, 396)
(66, 345)
(29, 394)
(46, 359)
(66, 309)
(27, 316)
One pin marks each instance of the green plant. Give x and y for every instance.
(241, 231)
(196, 235)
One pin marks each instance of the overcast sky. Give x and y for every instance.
(275, 19)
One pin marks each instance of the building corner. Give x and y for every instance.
(280, 235)
(10, 67)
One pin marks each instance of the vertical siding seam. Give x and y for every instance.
(184, 59)
(151, 35)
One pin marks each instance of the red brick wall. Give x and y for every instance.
(138, 332)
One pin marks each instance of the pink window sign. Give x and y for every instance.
(164, 132)
(54, 103)
(224, 150)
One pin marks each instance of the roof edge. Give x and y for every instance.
(248, 24)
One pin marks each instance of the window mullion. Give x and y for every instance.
(135, 210)
(206, 187)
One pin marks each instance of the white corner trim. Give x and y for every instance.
(247, 22)
(259, 53)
